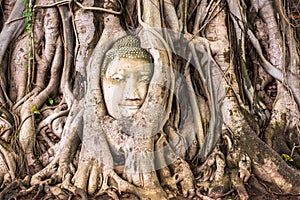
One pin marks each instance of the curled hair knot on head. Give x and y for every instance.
(126, 47)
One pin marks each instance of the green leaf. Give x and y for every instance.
(35, 110)
(287, 158)
(28, 27)
(51, 101)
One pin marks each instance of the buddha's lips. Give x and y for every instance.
(131, 107)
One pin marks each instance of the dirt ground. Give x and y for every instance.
(254, 194)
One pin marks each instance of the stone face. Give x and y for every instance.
(125, 86)
(126, 73)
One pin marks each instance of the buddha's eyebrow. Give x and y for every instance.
(119, 72)
(113, 74)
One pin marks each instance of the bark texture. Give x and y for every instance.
(220, 120)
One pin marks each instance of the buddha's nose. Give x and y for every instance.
(131, 90)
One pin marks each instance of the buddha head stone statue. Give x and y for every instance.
(126, 73)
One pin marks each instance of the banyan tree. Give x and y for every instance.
(140, 99)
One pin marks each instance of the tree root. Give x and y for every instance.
(238, 184)
(182, 174)
(61, 164)
(124, 186)
(9, 187)
(216, 178)
(218, 87)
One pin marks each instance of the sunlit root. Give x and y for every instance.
(238, 184)
(168, 182)
(184, 176)
(213, 180)
(139, 166)
(242, 167)
(123, 186)
(220, 183)
(98, 179)
(182, 173)
(217, 176)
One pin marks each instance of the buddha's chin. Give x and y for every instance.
(129, 112)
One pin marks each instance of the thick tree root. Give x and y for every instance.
(181, 173)
(217, 176)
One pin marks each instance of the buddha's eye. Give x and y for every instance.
(117, 77)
